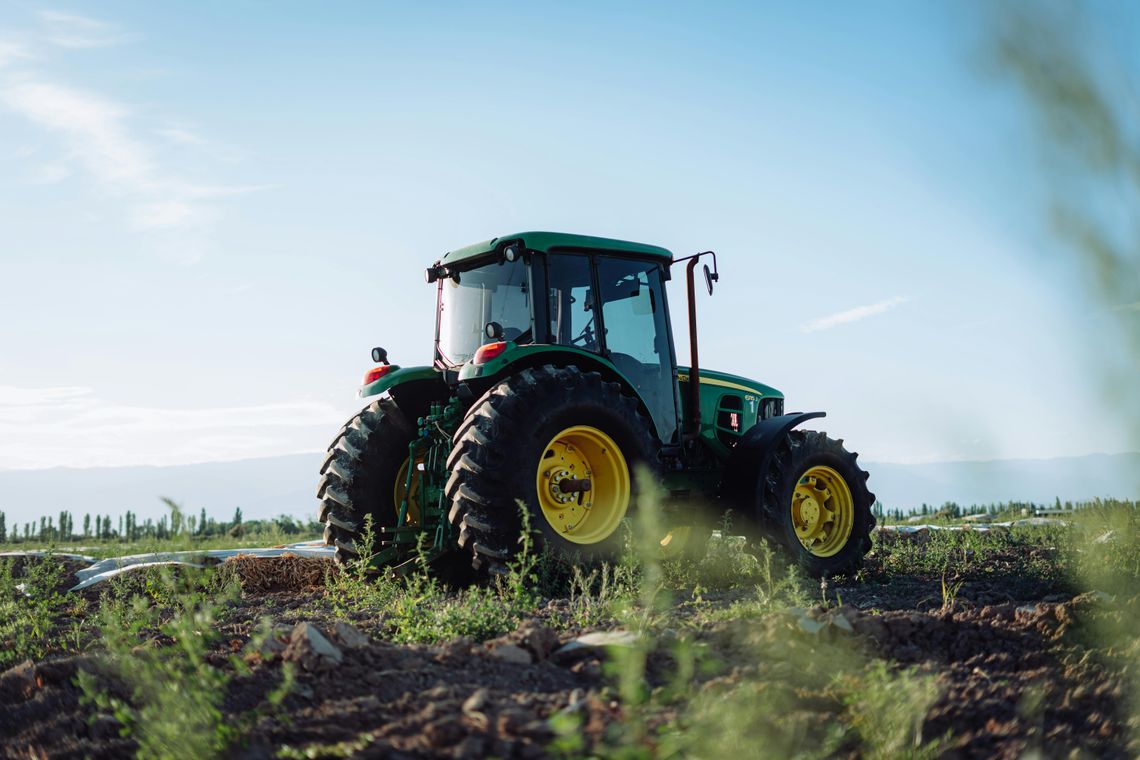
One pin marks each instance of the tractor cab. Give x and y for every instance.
(602, 298)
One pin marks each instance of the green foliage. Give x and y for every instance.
(794, 696)
(418, 608)
(174, 707)
(886, 708)
(1107, 547)
(958, 551)
(176, 695)
(30, 608)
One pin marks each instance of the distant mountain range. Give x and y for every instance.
(908, 486)
(285, 485)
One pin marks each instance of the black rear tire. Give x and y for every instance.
(358, 475)
(498, 449)
(801, 453)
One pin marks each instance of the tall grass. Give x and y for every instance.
(172, 693)
(760, 686)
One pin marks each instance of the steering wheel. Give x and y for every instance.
(585, 337)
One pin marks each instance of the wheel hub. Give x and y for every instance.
(823, 511)
(564, 487)
(583, 484)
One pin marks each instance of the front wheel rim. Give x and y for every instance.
(822, 511)
(577, 513)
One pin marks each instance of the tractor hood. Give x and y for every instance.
(725, 380)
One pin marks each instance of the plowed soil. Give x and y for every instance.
(1014, 666)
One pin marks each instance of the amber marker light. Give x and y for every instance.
(376, 373)
(490, 351)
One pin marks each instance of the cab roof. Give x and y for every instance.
(556, 241)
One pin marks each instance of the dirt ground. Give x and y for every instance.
(1009, 654)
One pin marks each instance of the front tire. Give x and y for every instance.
(815, 501)
(360, 476)
(562, 442)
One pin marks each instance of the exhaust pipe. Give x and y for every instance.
(694, 426)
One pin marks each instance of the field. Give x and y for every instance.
(1011, 642)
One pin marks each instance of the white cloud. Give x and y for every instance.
(852, 315)
(49, 174)
(162, 214)
(97, 134)
(11, 52)
(180, 136)
(73, 426)
(93, 127)
(70, 30)
(107, 139)
(12, 396)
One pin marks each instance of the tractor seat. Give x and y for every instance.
(644, 376)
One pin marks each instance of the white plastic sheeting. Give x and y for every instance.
(105, 569)
(981, 527)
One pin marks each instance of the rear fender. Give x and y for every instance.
(750, 458)
(517, 358)
(412, 388)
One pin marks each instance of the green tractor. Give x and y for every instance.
(554, 388)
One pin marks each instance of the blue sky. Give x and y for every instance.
(209, 212)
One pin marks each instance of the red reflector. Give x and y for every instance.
(376, 373)
(490, 351)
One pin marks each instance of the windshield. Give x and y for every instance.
(470, 300)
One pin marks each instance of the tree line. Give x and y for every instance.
(953, 510)
(128, 527)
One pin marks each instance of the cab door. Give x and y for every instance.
(635, 334)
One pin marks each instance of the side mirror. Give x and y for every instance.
(494, 331)
(710, 278)
(379, 355)
(431, 274)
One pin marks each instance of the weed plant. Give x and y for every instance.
(762, 687)
(34, 610)
(419, 608)
(159, 644)
(1107, 552)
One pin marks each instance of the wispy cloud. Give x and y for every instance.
(74, 426)
(105, 138)
(92, 126)
(70, 30)
(49, 174)
(13, 52)
(181, 136)
(852, 315)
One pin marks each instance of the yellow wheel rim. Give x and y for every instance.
(400, 488)
(823, 512)
(581, 512)
(675, 542)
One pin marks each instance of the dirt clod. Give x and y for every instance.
(349, 637)
(511, 653)
(309, 648)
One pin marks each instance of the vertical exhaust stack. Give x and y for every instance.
(694, 421)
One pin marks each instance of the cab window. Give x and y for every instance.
(570, 302)
(637, 331)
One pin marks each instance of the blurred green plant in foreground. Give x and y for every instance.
(754, 683)
(1086, 114)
